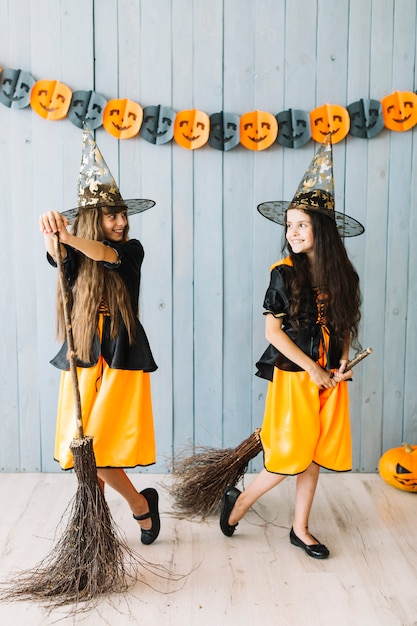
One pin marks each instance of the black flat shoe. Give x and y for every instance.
(148, 536)
(230, 496)
(317, 551)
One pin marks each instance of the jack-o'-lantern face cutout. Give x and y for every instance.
(88, 107)
(293, 128)
(398, 467)
(158, 124)
(15, 87)
(366, 119)
(50, 99)
(258, 130)
(224, 131)
(399, 110)
(122, 118)
(329, 118)
(191, 129)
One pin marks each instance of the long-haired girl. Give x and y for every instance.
(114, 359)
(312, 312)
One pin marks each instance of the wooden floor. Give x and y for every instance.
(255, 577)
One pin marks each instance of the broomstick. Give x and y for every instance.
(88, 560)
(201, 478)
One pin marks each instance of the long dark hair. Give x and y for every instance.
(330, 272)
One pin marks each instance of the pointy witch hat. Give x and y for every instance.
(96, 185)
(315, 193)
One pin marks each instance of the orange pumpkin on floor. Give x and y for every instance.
(398, 467)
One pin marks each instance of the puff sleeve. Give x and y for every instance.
(276, 297)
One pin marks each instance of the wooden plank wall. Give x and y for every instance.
(208, 251)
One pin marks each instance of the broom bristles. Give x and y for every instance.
(88, 561)
(201, 478)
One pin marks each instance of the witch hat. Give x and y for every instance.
(315, 193)
(96, 185)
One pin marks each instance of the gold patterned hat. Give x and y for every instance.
(315, 193)
(96, 185)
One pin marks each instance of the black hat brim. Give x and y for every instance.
(275, 210)
(133, 206)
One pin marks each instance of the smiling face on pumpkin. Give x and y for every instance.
(400, 110)
(258, 130)
(158, 124)
(122, 118)
(398, 467)
(87, 106)
(191, 129)
(224, 131)
(293, 128)
(15, 87)
(50, 99)
(366, 119)
(329, 118)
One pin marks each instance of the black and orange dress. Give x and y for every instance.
(115, 389)
(302, 424)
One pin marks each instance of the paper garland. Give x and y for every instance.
(192, 128)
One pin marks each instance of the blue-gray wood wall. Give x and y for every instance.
(208, 251)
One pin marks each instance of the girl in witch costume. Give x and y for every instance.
(312, 311)
(114, 360)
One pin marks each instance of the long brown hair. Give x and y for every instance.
(330, 272)
(93, 283)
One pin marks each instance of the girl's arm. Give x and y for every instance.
(280, 340)
(54, 222)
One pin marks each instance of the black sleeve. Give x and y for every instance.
(276, 297)
(130, 254)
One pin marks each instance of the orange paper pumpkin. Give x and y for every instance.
(191, 129)
(122, 118)
(399, 110)
(329, 118)
(258, 130)
(50, 99)
(398, 467)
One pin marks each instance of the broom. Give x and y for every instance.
(200, 479)
(88, 561)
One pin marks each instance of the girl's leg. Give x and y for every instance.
(120, 482)
(305, 490)
(263, 482)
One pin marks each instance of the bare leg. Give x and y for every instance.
(263, 482)
(120, 482)
(305, 490)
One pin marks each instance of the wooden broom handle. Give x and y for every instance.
(65, 291)
(357, 359)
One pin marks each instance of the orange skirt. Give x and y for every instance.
(303, 424)
(116, 409)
